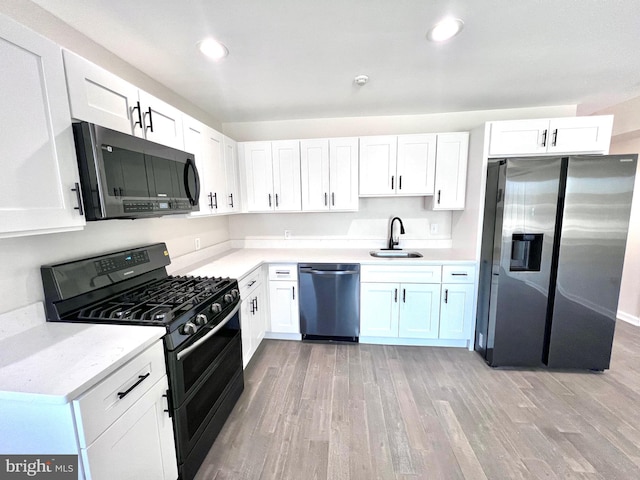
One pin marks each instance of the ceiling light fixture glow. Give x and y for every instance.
(445, 29)
(213, 49)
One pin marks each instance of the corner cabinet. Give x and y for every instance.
(98, 96)
(39, 190)
(272, 175)
(568, 135)
(329, 174)
(417, 305)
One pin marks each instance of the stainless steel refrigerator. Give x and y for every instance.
(553, 244)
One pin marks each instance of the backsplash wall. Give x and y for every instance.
(21, 257)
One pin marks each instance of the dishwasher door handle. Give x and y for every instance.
(331, 272)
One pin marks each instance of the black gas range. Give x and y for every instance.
(203, 347)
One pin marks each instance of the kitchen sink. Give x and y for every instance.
(394, 254)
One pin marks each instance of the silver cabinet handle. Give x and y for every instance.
(215, 330)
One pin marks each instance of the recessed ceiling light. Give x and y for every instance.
(361, 80)
(213, 49)
(445, 29)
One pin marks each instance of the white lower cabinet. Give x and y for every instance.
(283, 300)
(411, 305)
(253, 313)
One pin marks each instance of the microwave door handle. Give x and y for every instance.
(193, 198)
(215, 330)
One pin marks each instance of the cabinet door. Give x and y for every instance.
(39, 166)
(259, 176)
(246, 319)
(100, 97)
(162, 123)
(194, 140)
(286, 175)
(260, 322)
(416, 164)
(285, 316)
(379, 309)
(378, 165)
(139, 444)
(343, 173)
(314, 173)
(456, 309)
(232, 200)
(580, 134)
(214, 154)
(518, 137)
(419, 310)
(451, 171)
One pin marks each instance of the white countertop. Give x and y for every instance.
(56, 362)
(238, 263)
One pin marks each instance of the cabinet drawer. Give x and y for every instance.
(458, 274)
(281, 271)
(408, 274)
(99, 407)
(249, 282)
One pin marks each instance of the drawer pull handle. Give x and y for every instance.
(141, 378)
(283, 272)
(459, 274)
(251, 282)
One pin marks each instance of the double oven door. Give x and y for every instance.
(206, 381)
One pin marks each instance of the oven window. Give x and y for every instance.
(197, 362)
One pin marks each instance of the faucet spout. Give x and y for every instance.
(395, 241)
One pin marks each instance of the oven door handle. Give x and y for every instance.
(215, 330)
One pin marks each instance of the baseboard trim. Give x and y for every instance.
(627, 317)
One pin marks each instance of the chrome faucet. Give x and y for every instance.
(392, 242)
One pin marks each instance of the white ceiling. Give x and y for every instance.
(294, 59)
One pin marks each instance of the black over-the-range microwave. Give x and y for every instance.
(124, 176)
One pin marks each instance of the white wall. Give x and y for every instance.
(460, 229)
(21, 257)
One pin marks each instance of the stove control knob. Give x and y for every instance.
(201, 319)
(189, 328)
(228, 298)
(235, 293)
(216, 308)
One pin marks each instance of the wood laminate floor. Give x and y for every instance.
(327, 411)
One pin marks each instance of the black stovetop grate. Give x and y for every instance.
(154, 303)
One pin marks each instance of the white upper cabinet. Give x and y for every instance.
(378, 165)
(231, 203)
(451, 171)
(402, 165)
(551, 136)
(416, 164)
(329, 174)
(39, 170)
(272, 173)
(100, 97)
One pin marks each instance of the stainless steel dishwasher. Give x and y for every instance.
(329, 301)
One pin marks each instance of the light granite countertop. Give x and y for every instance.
(239, 262)
(56, 362)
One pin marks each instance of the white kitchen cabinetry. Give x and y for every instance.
(399, 302)
(456, 307)
(119, 427)
(451, 171)
(100, 97)
(272, 173)
(329, 174)
(378, 160)
(232, 200)
(39, 190)
(253, 313)
(551, 136)
(283, 300)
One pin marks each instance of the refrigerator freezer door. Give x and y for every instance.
(522, 267)
(591, 254)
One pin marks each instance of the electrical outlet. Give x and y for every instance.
(287, 234)
(434, 229)
(197, 243)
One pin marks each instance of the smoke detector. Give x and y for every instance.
(361, 80)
